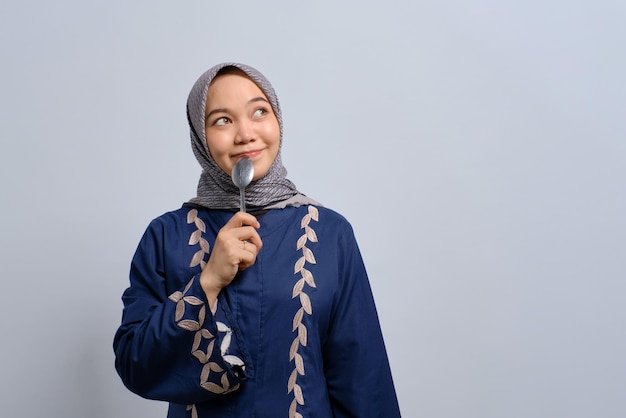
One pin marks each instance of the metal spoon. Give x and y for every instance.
(242, 174)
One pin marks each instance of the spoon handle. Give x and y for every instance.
(242, 199)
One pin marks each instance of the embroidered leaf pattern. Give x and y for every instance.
(212, 387)
(308, 255)
(195, 237)
(294, 348)
(299, 264)
(297, 392)
(297, 319)
(192, 300)
(306, 303)
(301, 241)
(213, 377)
(233, 360)
(197, 258)
(206, 370)
(215, 367)
(189, 325)
(292, 380)
(180, 310)
(200, 224)
(225, 344)
(292, 409)
(308, 277)
(209, 349)
(194, 411)
(299, 364)
(187, 287)
(297, 288)
(202, 315)
(306, 307)
(200, 356)
(310, 234)
(197, 339)
(192, 215)
(224, 381)
(302, 334)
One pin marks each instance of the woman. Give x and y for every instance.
(261, 314)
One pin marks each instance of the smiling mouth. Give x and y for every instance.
(250, 154)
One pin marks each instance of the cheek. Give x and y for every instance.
(273, 144)
(273, 135)
(214, 142)
(218, 148)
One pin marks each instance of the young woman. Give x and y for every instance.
(267, 313)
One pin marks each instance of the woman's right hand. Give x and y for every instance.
(236, 247)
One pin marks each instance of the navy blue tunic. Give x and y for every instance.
(295, 335)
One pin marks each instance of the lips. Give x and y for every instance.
(251, 154)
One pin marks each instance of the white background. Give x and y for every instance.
(478, 147)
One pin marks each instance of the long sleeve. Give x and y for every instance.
(355, 360)
(170, 346)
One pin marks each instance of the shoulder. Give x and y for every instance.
(333, 217)
(187, 214)
(171, 218)
(176, 221)
(174, 230)
(328, 220)
(316, 213)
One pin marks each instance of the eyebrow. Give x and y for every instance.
(225, 110)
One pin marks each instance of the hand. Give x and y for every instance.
(236, 247)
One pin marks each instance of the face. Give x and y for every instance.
(240, 121)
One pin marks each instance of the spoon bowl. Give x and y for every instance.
(242, 174)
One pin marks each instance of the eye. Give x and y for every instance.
(221, 121)
(260, 112)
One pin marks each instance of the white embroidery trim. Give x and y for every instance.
(306, 277)
(196, 238)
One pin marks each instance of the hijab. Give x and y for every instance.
(215, 188)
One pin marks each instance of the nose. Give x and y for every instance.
(245, 132)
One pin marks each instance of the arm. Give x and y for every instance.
(172, 347)
(355, 360)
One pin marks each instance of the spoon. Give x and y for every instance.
(242, 174)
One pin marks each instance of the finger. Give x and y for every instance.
(240, 219)
(247, 260)
(247, 255)
(248, 234)
(250, 247)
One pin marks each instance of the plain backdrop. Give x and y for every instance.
(478, 148)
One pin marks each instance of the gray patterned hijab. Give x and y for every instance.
(215, 188)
